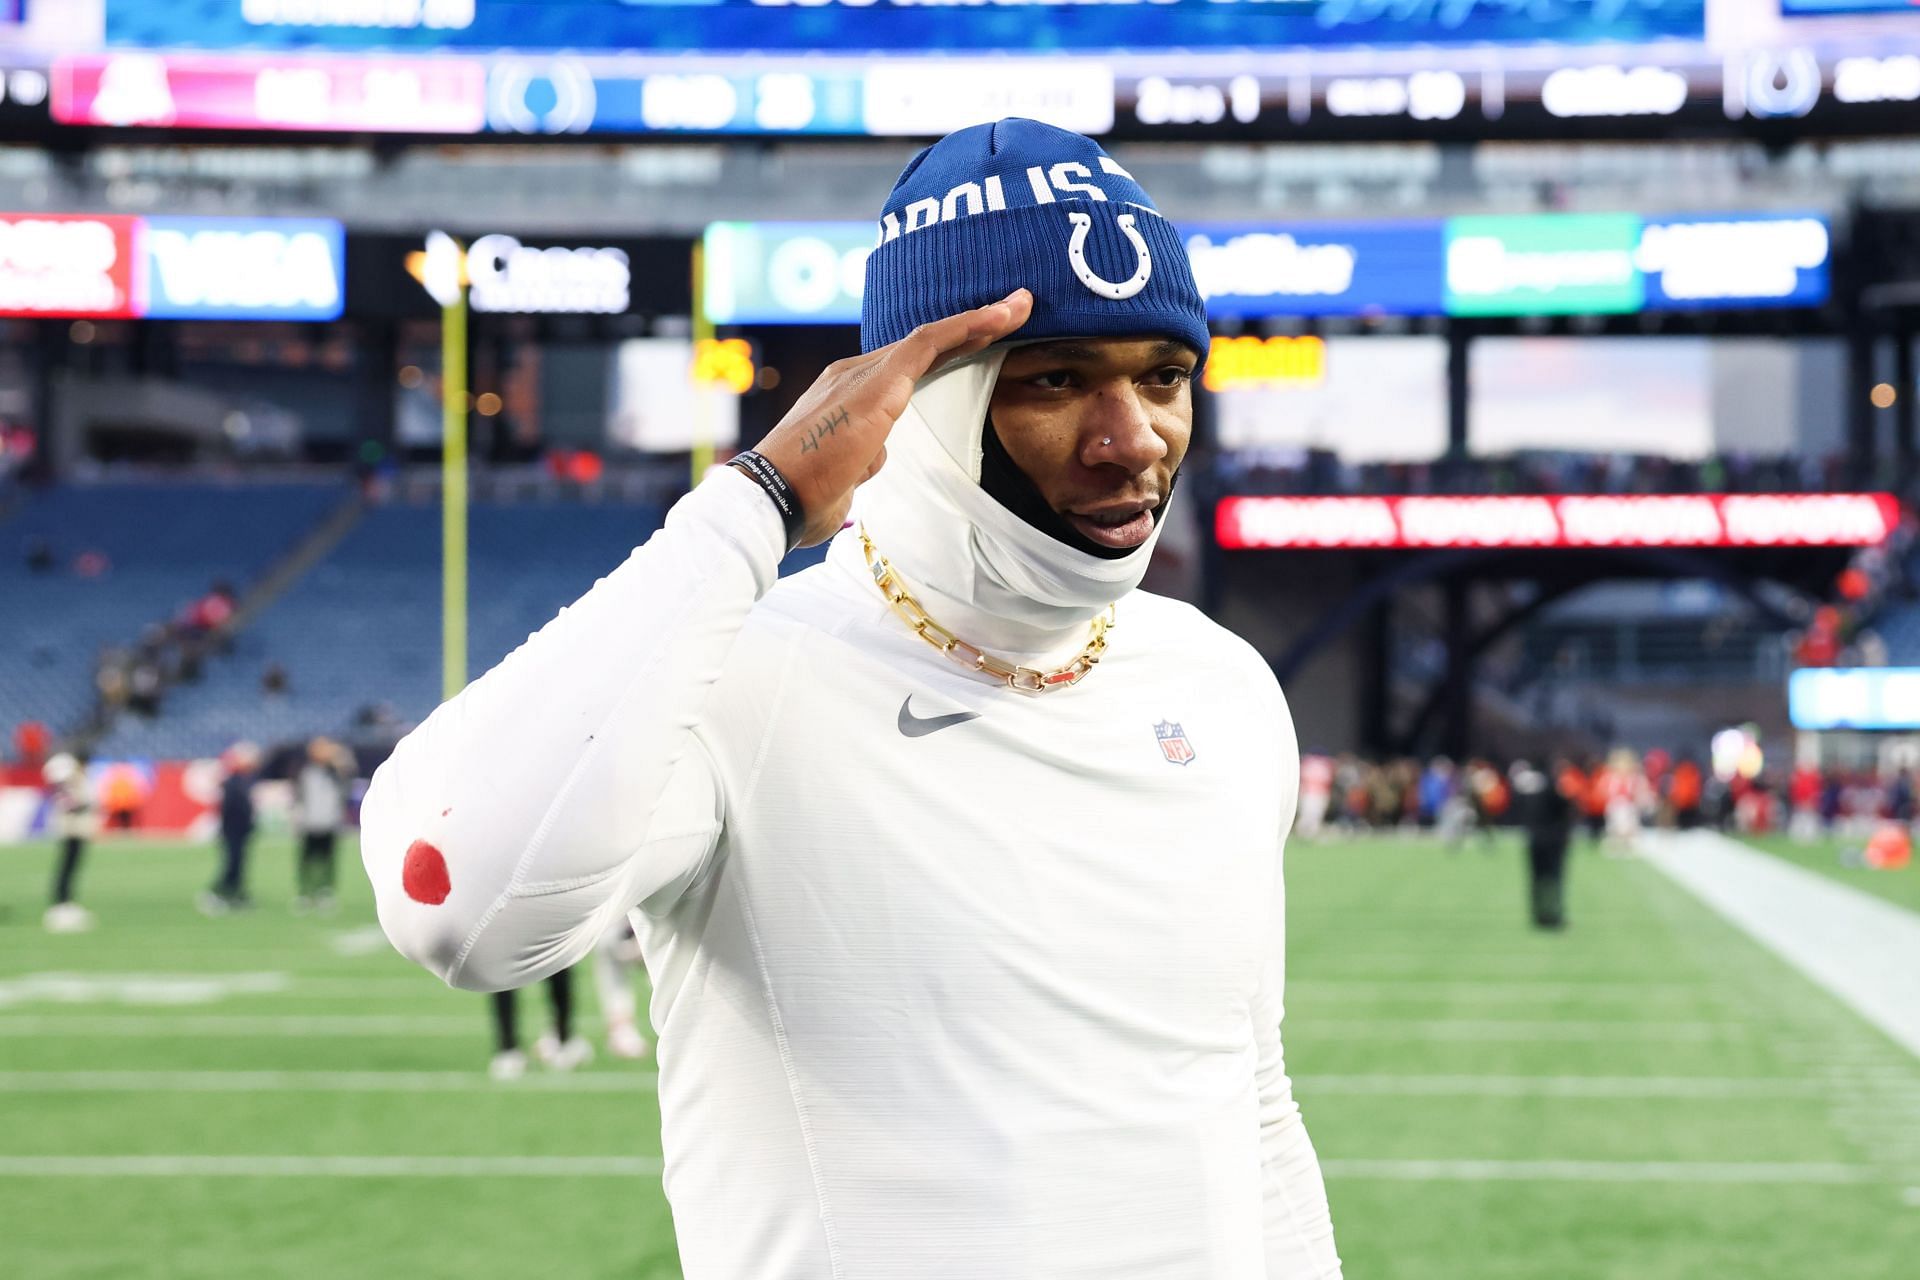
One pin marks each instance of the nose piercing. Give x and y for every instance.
(1107, 440)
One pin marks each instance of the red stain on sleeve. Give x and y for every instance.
(424, 874)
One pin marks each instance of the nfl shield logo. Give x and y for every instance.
(1173, 742)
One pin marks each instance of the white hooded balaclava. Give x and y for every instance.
(987, 210)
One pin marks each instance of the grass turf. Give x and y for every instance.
(1435, 1041)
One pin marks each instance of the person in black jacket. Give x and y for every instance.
(236, 830)
(1546, 815)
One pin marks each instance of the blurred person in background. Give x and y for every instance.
(1593, 799)
(74, 819)
(1626, 800)
(32, 740)
(229, 892)
(319, 811)
(1436, 789)
(1490, 798)
(616, 961)
(559, 1049)
(1546, 814)
(124, 790)
(1805, 786)
(1316, 793)
(1686, 792)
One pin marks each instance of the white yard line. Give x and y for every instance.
(1476, 1086)
(1516, 1029)
(247, 1024)
(177, 1166)
(1636, 1171)
(320, 1082)
(1864, 950)
(1429, 989)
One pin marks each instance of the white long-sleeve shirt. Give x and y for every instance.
(999, 998)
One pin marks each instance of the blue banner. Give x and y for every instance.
(1718, 261)
(243, 268)
(1248, 269)
(901, 26)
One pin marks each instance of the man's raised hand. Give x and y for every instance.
(835, 437)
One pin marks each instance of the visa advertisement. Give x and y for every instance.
(859, 26)
(107, 266)
(1521, 265)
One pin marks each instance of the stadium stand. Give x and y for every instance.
(86, 567)
(358, 635)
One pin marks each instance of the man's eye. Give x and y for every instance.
(1055, 380)
(1173, 375)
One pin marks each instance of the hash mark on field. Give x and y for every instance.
(328, 1166)
(359, 942)
(137, 988)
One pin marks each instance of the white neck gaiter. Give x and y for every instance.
(977, 568)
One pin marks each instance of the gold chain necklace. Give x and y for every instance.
(1022, 679)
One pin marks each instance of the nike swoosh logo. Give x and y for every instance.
(920, 726)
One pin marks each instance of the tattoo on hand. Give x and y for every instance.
(826, 426)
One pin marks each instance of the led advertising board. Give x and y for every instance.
(1683, 520)
(1620, 263)
(385, 95)
(785, 272)
(1524, 265)
(1531, 264)
(243, 268)
(861, 26)
(1820, 698)
(121, 267)
(57, 264)
(1247, 269)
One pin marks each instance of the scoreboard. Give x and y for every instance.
(1253, 69)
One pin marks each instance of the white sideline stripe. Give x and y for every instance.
(1514, 1029)
(1561, 1086)
(1862, 949)
(320, 1082)
(328, 1166)
(1597, 1171)
(247, 1024)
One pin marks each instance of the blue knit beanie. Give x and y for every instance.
(1017, 203)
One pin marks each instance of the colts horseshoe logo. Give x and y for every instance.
(1077, 254)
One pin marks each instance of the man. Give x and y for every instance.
(956, 860)
(229, 891)
(74, 819)
(1546, 813)
(320, 810)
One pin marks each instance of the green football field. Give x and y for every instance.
(1648, 1096)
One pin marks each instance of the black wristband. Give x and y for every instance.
(784, 500)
